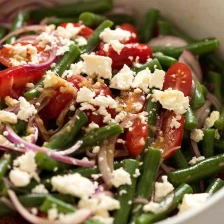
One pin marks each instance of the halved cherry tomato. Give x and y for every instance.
(6, 53)
(85, 31)
(136, 138)
(134, 102)
(134, 35)
(13, 80)
(179, 77)
(128, 55)
(78, 81)
(169, 138)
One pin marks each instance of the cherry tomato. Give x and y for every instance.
(134, 102)
(78, 81)
(13, 80)
(136, 138)
(134, 35)
(128, 55)
(179, 77)
(169, 138)
(85, 31)
(57, 104)
(6, 53)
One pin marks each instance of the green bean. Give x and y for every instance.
(148, 26)
(202, 170)
(215, 79)
(65, 137)
(190, 119)
(204, 90)
(2, 32)
(166, 206)
(4, 165)
(179, 160)
(20, 127)
(219, 124)
(73, 9)
(94, 39)
(151, 163)
(58, 21)
(95, 137)
(214, 186)
(208, 143)
(122, 215)
(198, 48)
(118, 19)
(62, 207)
(91, 19)
(164, 60)
(151, 65)
(164, 27)
(3, 189)
(198, 99)
(17, 23)
(68, 58)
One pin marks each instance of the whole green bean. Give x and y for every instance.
(151, 65)
(202, 170)
(164, 60)
(166, 206)
(4, 165)
(94, 39)
(198, 99)
(198, 48)
(67, 59)
(190, 121)
(179, 160)
(17, 23)
(204, 90)
(164, 27)
(20, 127)
(65, 137)
(95, 137)
(122, 215)
(219, 124)
(214, 186)
(2, 32)
(148, 26)
(91, 19)
(72, 9)
(208, 143)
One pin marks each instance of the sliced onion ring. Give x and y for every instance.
(80, 216)
(214, 101)
(168, 41)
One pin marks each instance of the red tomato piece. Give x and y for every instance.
(136, 138)
(13, 80)
(85, 32)
(179, 77)
(6, 54)
(169, 138)
(78, 81)
(128, 55)
(134, 35)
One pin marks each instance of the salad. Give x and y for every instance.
(102, 121)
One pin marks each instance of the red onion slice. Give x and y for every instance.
(80, 216)
(27, 38)
(169, 41)
(121, 9)
(214, 101)
(14, 138)
(194, 148)
(189, 59)
(202, 113)
(37, 28)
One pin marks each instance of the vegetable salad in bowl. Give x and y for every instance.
(103, 121)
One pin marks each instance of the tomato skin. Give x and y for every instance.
(179, 77)
(134, 35)
(13, 80)
(85, 32)
(77, 80)
(136, 138)
(128, 54)
(168, 138)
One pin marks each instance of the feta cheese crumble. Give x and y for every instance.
(151, 207)
(209, 121)
(195, 160)
(197, 135)
(120, 177)
(39, 189)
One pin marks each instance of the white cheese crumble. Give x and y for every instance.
(96, 149)
(209, 121)
(195, 160)
(19, 178)
(39, 189)
(10, 101)
(197, 135)
(137, 173)
(120, 177)
(84, 95)
(100, 66)
(157, 79)
(104, 220)
(172, 100)
(6, 116)
(192, 201)
(118, 34)
(151, 207)
(174, 122)
(117, 46)
(91, 127)
(73, 184)
(123, 79)
(52, 214)
(4, 141)
(26, 109)
(75, 69)
(162, 189)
